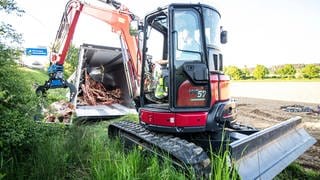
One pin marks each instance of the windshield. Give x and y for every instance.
(187, 28)
(212, 27)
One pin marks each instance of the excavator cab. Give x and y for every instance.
(182, 78)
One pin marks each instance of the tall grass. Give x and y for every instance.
(85, 152)
(49, 160)
(222, 167)
(108, 160)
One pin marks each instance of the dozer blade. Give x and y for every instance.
(266, 153)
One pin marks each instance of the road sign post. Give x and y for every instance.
(36, 51)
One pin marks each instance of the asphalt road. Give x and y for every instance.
(308, 92)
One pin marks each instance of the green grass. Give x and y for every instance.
(296, 171)
(220, 166)
(35, 76)
(39, 77)
(84, 151)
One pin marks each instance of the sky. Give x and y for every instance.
(267, 32)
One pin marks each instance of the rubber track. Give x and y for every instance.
(187, 153)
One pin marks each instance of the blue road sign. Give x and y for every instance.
(36, 51)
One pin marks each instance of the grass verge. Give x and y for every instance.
(85, 152)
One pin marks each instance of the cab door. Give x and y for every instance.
(190, 75)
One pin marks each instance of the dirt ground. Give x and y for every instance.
(262, 113)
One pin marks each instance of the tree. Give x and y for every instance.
(10, 6)
(9, 38)
(260, 72)
(245, 72)
(286, 70)
(310, 71)
(234, 72)
(8, 35)
(72, 60)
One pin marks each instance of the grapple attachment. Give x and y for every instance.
(264, 154)
(56, 81)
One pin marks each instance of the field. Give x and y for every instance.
(280, 90)
(262, 113)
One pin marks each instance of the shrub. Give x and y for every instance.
(71, 61)
(287, 70)
(19, 134)
(234, 72)
(260, 72)
(310, 71)
(246, 72)
(17, 104)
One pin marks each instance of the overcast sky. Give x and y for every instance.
(260, 31)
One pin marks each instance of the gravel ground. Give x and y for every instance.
(262, 113)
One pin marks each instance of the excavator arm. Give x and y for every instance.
(119, 18)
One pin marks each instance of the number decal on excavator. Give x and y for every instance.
(198, 94)
(201, 93)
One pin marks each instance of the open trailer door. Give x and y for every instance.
(104, 67)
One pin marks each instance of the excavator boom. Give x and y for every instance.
(119, 19)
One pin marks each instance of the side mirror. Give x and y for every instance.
(224, 37)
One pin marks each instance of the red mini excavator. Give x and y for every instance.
(184, 103)
(179, 89)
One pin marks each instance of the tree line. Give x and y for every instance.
(292, 71)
